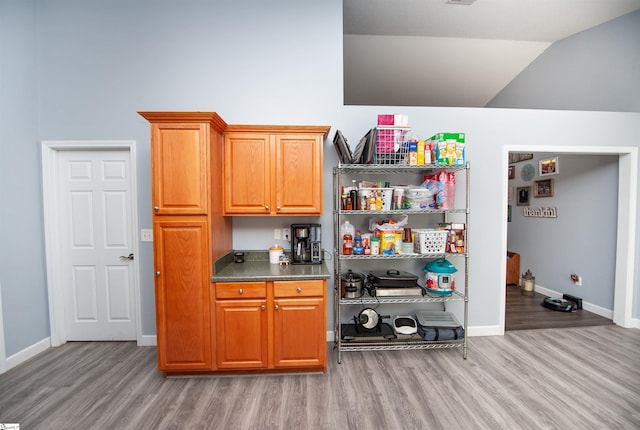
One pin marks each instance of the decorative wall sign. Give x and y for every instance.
(512, 172)
(515, 157)
(549, 166)
(540, 212)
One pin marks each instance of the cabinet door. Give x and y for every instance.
(179, 163)
(182, 293)
(300, 333)
(298, 170)
(247, 187)
(241, 329)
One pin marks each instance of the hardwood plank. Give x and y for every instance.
(524, 312)
(584, 377)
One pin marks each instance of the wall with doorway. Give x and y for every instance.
(582, 239)
(69, 76)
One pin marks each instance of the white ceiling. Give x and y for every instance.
(430, 53)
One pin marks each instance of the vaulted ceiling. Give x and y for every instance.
(433, 53)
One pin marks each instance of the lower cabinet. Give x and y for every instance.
(271, 325)
(182, 295)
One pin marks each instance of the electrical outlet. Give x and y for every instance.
(276, 233)
(146, 235)
(577, 279)
(286, 234)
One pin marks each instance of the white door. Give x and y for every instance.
(97, 244)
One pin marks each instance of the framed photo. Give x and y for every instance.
(549, 166)
(508, 213)
(543, 188)
(512, 172)
(523, 196)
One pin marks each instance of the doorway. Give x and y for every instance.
(626, 222)
(90, 218)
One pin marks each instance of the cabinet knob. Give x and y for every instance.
(157, 273)
(278, 208)
(156, 208)
(266, 207)
(240, 291)
(276, 307)
(299, 289)
(263, 307)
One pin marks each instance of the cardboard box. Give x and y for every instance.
(448, 149)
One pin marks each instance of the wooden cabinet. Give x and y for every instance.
(271, 325)
(273, 170)
(190, 231)
(183, 326)
(299, 324)
(513, 268)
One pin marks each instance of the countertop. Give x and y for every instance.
(256, 267)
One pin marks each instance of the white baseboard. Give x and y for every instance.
(148, 340)
(29, 352)
(598, 310)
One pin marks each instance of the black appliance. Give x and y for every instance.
(306, 244)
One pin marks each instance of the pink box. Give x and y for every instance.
(386, 119)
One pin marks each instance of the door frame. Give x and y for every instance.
(50, 157)
(626, 222)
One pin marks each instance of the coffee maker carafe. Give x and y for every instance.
(306, 244)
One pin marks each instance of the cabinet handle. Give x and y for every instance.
(266, 207)
(156, 208)
(263, 307)
(276, 307)
(157, 274)
(240, 291)
(299, 289)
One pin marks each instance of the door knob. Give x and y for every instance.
(126, 257)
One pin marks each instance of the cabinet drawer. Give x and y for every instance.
(236, 290)
(298, 288)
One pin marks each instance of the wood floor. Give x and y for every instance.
(523, 312)
(577, 378)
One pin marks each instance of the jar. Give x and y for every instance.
(274, 254)
(375, 246)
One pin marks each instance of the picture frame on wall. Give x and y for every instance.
(543, 188)
(523, 196)
(512, 172)
(548, 166)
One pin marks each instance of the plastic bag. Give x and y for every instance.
(389, 223)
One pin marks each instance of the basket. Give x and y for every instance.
(390, 145)
(386, 195)
(430, 241)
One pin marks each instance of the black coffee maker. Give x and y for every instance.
(306, 244)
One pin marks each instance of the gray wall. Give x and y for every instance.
(582, 239)
(22, 265)
(597, 69)
(95, 64)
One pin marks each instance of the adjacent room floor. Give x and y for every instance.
(524, 312)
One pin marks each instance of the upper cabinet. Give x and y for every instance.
(273, 170)
(180, 161)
